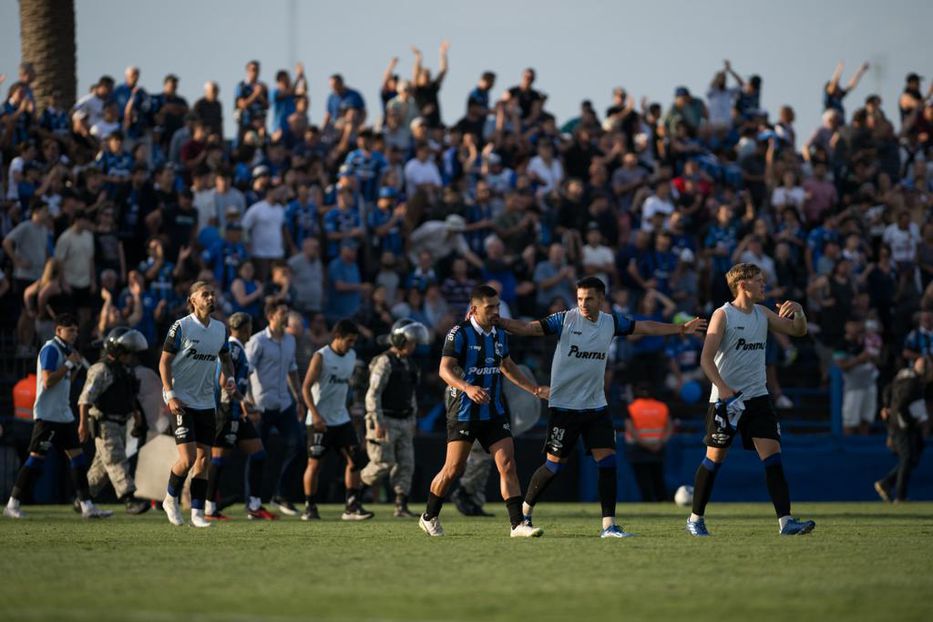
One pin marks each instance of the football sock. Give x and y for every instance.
(310, 500)
(777, 484)
(514, 505)
(608, 521)
(353, 497)
(254, 504)
(175, 484)
(433, 507)
(27, 476)
(255, 465)
(79, 477)
(213, 478)
(210, 507)
(703, 485)
(608, 476)
(539, 483)
(198, 493)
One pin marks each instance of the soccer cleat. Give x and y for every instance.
(217, 516)
(136, 506)
(795, 527)
(261, 513)
(697, 528)
(431, 527)
(356, 513)
(311, 513)
(526, 530)
(402, 511)
(614, 531)
(882, 491)
(95, 512)
(13, 512)
(284, 506)
(173, 510)
(199, 520)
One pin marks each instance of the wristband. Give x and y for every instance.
(70, 365)
(169, 395)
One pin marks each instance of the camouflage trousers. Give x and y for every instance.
(474, 478)
(110, 461)
(393, 455)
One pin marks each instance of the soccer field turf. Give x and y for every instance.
(864, 561)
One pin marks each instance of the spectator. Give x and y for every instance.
(859, 380)
(209, 110)
(247, 292)
(919, 341)
(344, 283)
(343, 100)
(264, 222)
(554, 278)
(308, 281)
(426, 89)
(251, 101)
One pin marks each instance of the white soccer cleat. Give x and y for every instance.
(431, 527)
(13, 512)
(173, 510)
(526, 530)
(614, 531)
(95, 512)
(199, 520)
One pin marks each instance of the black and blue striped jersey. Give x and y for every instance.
(479, 356)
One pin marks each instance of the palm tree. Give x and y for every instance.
(47, 36)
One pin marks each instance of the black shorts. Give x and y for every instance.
(337, 437)
(488, 432)
(48, 434)
(228, 431)
(566, 426)
(758, 421)
(81, 298)
(195, 426)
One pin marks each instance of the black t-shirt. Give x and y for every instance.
(211, 114)
(526, 99)
(426, 98)
(178, 224)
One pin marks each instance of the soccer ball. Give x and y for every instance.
(684, 496)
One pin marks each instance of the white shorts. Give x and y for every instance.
(859, 405)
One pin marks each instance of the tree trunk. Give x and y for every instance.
(47, 40)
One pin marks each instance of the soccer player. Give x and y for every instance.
(235, 429)
(577, 403)
(473, 361)
(188, 369)
(55, 423)
(734, 361)
(329, 426)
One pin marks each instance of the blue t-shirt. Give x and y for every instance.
(256, 110)
(728, 237)
(337, 103)
(479, 356)
(342, 304)
(367, 168)
(391, 240)
(337, 220)
(301, 221)
(283, 105)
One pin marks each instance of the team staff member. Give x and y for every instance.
(908, 423)
(188, 368)
(391, 409)
(329, 426)
(55, 424)
(474, 359)
(647, 430)
(276, 391)
(108, 401)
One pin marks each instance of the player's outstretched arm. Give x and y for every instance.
(523, 329)
(714, 335)
(511, 371)
(647, 327)
(789, 320)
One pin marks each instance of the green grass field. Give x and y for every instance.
(865, 561)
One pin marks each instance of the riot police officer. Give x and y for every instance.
(107, 402)
(391, 410)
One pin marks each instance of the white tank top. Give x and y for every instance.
(330, 390)
(741, 355)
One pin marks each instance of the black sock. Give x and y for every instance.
(514, 505)
(198, 493)
(703, 484)
(213, 478)
(176, 483)
(401, 499)
(608, 478)
(311, 500)
(541, 480)
(26, 477)
(79, 477)
(353, 497)
(434, 506)
(256, 465)
(777, 484)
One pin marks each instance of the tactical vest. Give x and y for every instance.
(119, 400)
(396, 397)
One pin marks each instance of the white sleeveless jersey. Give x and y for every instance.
(330, 390)
(194, 369)
(741, 355)
(579, 365)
